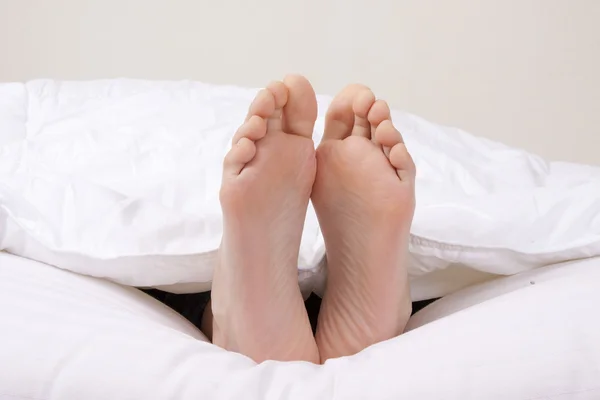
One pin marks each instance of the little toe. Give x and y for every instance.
(254, 129)
(401, 160)
(240, 154)
(300, 111)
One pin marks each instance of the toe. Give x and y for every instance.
(379, 112)
(263, 105)
(240, 154)
(380, 116)
(254, 129)
(340, 119)
(403, 162)
(387, 135)
(280, 96)
(362, 104)
(300, 111)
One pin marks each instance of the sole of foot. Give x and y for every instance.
(268, 175)
(364, 198)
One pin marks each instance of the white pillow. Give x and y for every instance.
(119, 179)
(66, 336)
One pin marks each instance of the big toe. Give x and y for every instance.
(300, 111)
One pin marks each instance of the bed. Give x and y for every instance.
(109, 185)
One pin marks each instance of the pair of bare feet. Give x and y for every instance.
(361, 182)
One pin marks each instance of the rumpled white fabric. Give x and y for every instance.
(119, 179)
(69, 337)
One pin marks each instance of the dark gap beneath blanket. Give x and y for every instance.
(192, 305)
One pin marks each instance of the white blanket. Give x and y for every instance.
(119, 179)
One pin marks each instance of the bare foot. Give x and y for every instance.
(364, 199)
(267, 179)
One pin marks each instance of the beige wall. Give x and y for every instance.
(526, 72)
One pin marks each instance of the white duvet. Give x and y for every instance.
(119, 179)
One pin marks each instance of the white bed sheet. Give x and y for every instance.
(65, 336)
